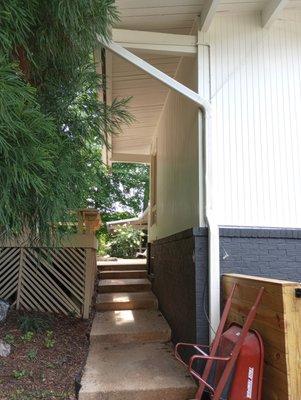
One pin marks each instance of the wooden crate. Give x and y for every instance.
(279, 322)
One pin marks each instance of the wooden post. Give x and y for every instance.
(90, 219)
(89, 280)
(20, 277)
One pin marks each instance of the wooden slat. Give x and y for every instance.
(279, 322)
(246, 291)
(42, 290)
(292, 308)
(48, 279)
(38, 294)
(7, 291)
(9, 267)
(64, 254)
(79, 253)
(41, 280)
(70, 273)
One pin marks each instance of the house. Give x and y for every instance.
(216, 96)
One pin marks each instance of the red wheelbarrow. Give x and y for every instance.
(234, 363)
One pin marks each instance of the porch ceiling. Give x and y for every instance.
(147, 100)
(148, 95)
(178, 15)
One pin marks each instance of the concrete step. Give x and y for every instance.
(122, 265)
(123, 285)
(120, 274)
(126, 301)
(146, 371)
(127, 326)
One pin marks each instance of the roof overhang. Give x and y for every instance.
(159, 32)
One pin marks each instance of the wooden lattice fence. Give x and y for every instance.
(48, 279)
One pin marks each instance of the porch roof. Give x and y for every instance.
(148, 95)
(140, 222)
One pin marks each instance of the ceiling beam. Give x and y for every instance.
(131, 158)
(272, 11)
(208, 12)
(154, 42)
(108, 71)
(173, 84)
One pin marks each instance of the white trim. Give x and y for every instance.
(206, 185)
(156, 73)
(208, 12)
(130, 158)
(272, 11)
(155, 42)
(107, 151)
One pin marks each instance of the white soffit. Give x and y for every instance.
(171, 17)
(177, 16)
(146, 103)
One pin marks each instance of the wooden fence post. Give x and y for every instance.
(20, 277)
(89, 280)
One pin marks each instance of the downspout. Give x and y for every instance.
(205, 165)
(206, 189)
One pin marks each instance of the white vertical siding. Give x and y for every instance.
(256, 97)
(177, 159)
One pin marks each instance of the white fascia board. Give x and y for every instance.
(272, 11)
(157, 74)
(154, 42)
(107, 150)
(208, 12)
(130, 158)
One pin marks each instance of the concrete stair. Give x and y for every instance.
(126, 265)
(126, 285)
(127, 326)
(146, 371)
(126, 301)
(119, 274)
(130, 356)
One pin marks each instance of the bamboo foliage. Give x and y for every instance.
(48, 279)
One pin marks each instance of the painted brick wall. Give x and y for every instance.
(272, 253)
(180, 266)
(173, 283)
(201, 276)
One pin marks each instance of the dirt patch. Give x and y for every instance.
(44, 364)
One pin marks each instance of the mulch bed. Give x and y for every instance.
(39, 368)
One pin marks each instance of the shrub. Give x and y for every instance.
(125, 242)
(32, 354)
(33, 324)
(103, 244)
(9, 338)
(19, 374)
(49, 341)
(27, 337)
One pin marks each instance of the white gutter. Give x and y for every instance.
(206, 182)
(205, 148)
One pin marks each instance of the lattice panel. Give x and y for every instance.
(9, 273)
(44, 279)
(53, 280)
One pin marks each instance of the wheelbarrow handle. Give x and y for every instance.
(204, 357)
(195, 346)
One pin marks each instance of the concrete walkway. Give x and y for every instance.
(130, 356)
